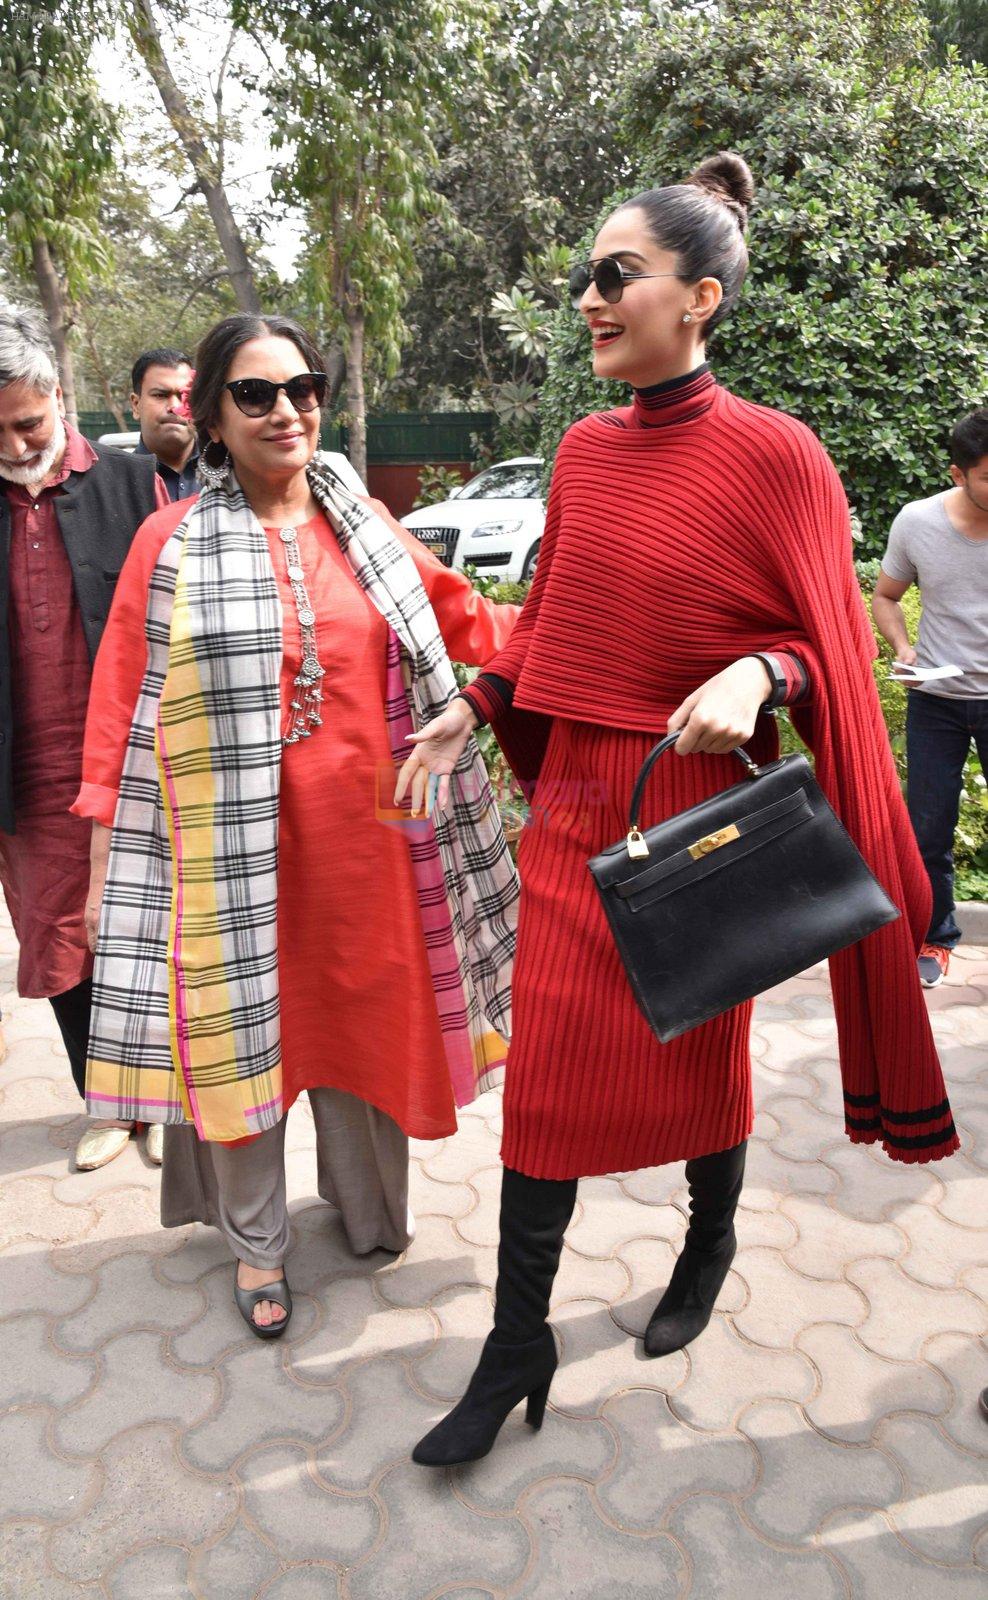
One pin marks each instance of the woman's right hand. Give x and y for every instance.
(99, 855)
(94, 905)
(437, 749)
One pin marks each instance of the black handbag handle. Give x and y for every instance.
(751, 767)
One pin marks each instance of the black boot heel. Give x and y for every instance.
(506, 1374)
(535, 1410)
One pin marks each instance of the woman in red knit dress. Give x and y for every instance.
(695, 570)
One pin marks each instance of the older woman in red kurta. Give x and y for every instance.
(694, 542)
(359, 1025)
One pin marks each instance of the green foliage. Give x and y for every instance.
(971, 837)
(960, 25)
(528, 148)
(56, 138)
(865, 307)
(436, 484)
(353, 110)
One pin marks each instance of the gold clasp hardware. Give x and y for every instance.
(637, 848)
(713, 841)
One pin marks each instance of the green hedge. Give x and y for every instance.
(865, 308)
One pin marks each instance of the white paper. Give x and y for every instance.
(906, 674)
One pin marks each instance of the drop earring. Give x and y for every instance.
(214, 475)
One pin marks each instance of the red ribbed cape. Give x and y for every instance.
(675, 543)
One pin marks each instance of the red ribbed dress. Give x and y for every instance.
(678, 539)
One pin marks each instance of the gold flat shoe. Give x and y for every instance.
(155, 1142)
(98, 1146)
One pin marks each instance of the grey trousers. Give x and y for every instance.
(362, 1164)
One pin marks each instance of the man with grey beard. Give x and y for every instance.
(68, 513)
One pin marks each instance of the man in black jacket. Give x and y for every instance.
(68, 514)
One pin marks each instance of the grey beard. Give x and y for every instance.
(39, 469)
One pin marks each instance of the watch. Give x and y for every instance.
(780, 683)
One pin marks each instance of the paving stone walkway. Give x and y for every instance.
(821, 1441)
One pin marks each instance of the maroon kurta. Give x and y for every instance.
(44, 864)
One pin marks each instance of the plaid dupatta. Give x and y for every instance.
(185, 1023)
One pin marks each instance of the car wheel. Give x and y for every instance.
(529, 564)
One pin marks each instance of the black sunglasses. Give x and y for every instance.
(609, 277)
(255, 397)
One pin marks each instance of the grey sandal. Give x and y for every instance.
(247, 1299)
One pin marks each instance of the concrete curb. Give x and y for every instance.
(972, 917)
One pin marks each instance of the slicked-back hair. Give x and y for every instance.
(27, 354)
(165, 357)
(969, 439)
(702, 221)
(215, 354)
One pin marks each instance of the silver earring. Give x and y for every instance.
(687, 316)
(213, 475)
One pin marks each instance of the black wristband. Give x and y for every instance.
(780, 683)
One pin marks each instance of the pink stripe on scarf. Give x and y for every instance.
(430, 886)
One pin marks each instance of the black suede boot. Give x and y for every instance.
(519, 1357)
(709, 1248)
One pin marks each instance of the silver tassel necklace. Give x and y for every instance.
(306, 700)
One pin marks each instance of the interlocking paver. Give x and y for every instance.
(238, 1564)
(879, 1565)
(599, 1359)
(961, 1360)
(259, 1401)
(136, 1385)
(128, 1296)
(903, 1313)
(304, 1517)
(780, 1302)
(34, 1481)
(158, 1572)
(820, 1440)
(963, 1199)
(147, 1495)
(660, 1462)
(584, 1557)
(826, 1240)
(805, 1476)
(730, 1559)
(858, 1388)
(24, 1564)
(32, 1371)
(726, 1371)
(29, 1282)
(428, 1536)
(935, 1470)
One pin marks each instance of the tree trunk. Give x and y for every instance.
(52, 295)
(85, 327)
(144, 32)
(356, 403)
(336, 371)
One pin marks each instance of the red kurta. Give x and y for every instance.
(358, 1010)
(44, 864)
(677, 539)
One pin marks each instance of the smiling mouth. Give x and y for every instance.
(605, 333)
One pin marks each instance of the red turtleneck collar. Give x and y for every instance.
(678, 400)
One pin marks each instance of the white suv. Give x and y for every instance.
(493, 523)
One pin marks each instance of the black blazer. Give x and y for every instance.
(98, 513)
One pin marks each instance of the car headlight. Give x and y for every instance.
(490, 530)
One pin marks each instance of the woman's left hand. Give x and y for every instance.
(721, 714)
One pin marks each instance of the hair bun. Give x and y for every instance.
(728, 177)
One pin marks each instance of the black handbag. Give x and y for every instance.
(734, 895)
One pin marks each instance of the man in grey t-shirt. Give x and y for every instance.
(941, 544)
